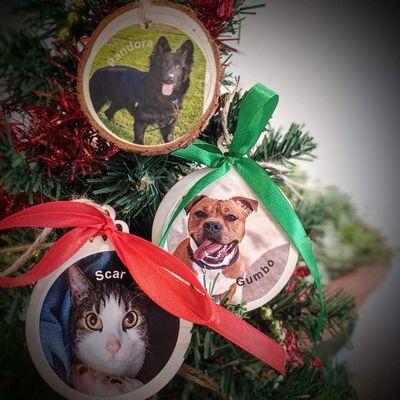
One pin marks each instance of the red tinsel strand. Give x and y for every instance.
(295, 356)
(302, 271)
(10, 203)
(214, 14)
(299, 273)
(59, 136)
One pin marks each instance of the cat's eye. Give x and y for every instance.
(93, 322)
(130, 320)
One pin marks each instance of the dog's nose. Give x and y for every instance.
(172, 75)
(212, 227)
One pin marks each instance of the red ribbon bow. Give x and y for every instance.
(164, 278)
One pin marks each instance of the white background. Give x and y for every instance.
(335, 66)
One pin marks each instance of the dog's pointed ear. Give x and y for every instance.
(248, 205)
(189, 206)
(162, 46)
(187, 51)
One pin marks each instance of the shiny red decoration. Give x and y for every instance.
(214, 14)
(59, 136)
(302, 271)
(10, 203)
(296, 357)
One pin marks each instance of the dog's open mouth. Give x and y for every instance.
(212, 252)
(167, 88)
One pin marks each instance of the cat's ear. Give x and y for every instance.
(141, 299)
(77, 282)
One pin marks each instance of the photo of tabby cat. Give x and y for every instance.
(101, 336)
(108, 333)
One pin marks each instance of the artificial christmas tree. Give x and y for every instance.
(49, 151)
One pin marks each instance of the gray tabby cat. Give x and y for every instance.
(108, 335)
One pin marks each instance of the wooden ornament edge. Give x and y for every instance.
(165, 148)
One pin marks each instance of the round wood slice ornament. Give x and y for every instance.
(228, 239)
(93, 334)
(149, 77)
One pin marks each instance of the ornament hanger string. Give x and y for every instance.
(226, 138)
(145, 6)
(161, 276)
(257, 107)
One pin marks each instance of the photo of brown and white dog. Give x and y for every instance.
(216, 228)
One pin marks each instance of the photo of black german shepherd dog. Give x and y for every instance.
(153, 97)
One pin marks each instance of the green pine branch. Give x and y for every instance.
(244, 377)
(25, 68)
(303, 307)
(294, 144)
(135, 185)
(22, 177)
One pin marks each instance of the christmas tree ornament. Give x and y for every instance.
(105, 296)
(229, 223)
(91, 331)
(149, 77)
(228, 238)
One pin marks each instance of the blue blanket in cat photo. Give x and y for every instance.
(100, 335)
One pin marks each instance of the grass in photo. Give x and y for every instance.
(147, 85)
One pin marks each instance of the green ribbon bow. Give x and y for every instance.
(257, 106)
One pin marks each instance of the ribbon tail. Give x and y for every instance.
(201, 152)
(277, 204)
(249, 338)
(57, 214)
(170, 291)
(177, 290)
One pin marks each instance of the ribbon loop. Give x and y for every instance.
(70, 214)
(256, 109)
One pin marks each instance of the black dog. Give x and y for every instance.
(153, 97)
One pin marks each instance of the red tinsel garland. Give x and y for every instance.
(59, 136)
(296, 356)
(214, 14)
(10, 203)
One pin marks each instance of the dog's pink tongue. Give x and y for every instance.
(167, 89)
(208, 246)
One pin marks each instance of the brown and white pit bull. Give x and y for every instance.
(216, 227)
